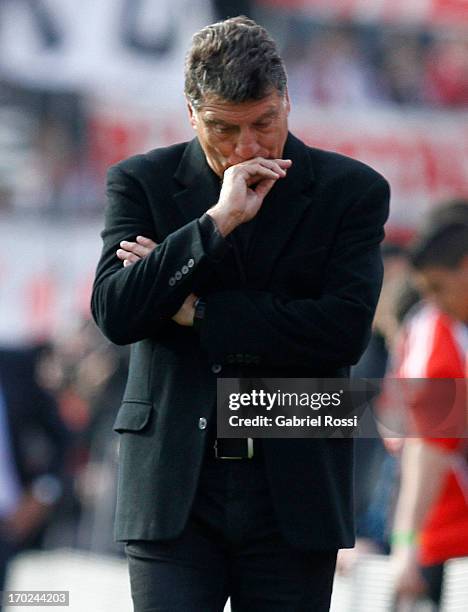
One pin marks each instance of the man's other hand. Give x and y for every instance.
(184, 316)
(244, 188)
(131, 252)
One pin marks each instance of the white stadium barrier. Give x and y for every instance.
(455, 593)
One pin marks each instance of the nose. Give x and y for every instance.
(247, 145)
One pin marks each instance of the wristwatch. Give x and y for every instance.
(199, 314)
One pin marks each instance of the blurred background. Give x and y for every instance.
(83, 85)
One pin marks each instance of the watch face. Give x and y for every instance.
(199, 312)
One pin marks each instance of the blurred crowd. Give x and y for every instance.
(49, 148)
(362, 66)
(58, 455)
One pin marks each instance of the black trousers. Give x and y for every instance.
(231, 547)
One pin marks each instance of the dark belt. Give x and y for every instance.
(234, 448)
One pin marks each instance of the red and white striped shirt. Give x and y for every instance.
(433, 345)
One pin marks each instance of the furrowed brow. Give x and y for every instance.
(214, 122)
(270, 114)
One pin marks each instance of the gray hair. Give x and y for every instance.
(235, 60)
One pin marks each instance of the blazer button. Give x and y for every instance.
(178, 275)
(202, 423)
(216, 368)
(191, 263)
(172, 281)
(184, 269)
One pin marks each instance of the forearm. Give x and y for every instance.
(135, 302)
(423, 468)
(323, 333)
(132, 303)
(226, 222)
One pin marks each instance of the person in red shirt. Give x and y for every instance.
(431, 518)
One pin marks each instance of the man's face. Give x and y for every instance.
(230, 133)
(447, 288)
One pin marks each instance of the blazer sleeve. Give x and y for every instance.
(135, 302)
(330, 331)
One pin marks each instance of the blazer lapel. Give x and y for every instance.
(200, 185)
(280, 214)
(200, 191)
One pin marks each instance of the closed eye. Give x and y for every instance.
(223, 129)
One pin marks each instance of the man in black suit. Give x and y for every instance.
(245, 253)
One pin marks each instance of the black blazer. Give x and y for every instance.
(300, 304)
